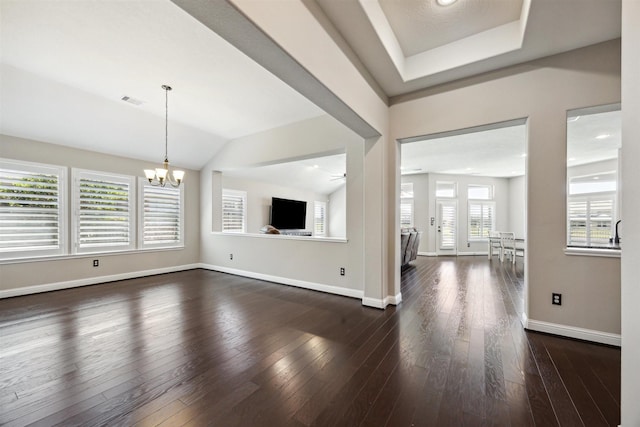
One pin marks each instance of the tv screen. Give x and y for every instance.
(288, 214)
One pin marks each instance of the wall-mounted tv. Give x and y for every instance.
(288, 214)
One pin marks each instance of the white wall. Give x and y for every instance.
(337, 208)
(630, 410)
(23, 276)
(541, 91)
(259, 196)
(424, 187)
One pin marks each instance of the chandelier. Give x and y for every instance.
(162, 176)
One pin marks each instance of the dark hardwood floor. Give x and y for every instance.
(205, 348)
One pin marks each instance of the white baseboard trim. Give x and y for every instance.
(574, 332)
(47, 287)
(427, 254)
(346, 292)
(393, 299)
(374, 302)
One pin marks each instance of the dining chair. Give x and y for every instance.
(508, 243)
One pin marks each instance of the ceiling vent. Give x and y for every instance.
(131, 100)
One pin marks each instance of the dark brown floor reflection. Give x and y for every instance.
(204, 348)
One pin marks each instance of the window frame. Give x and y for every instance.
(237, 193)
(78, 174)
(143, 184)
(62, 211)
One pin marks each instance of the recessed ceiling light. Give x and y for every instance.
(523, 155)
(603, 136)
(446, 2)
(596, 177)
(316, 166)
(571, 159)
(573, 119)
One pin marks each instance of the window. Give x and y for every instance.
(593, 194)
(481, 219)
(481, 213)
(319, 218)
(406, 205)
(480, 192)
(234, 211)
(103, 212)
(32, 209)
(161, 215)
(446, 190)
(591, 209)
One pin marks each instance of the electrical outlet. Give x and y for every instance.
(468, 244)
(342, 271)
(96, 263)
(556, 299)
(231, 257)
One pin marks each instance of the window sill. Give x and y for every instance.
(597, 252)
(87, 255)
(283, 237)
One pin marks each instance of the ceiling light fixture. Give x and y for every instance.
(160, 176)
(603, 136)
(445, 2)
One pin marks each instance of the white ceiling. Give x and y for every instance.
(410, 45)
(65, 65)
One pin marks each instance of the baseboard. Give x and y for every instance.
(485, 253)
(374, 302)
(47, 287)
(393, 299)
(427, 254)
(574, 332)
(336, 290)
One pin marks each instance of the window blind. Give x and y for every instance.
(161, 215)
(234, 211)
(406, 213)
(319, 218)
(103, 208)
(31, 213)
(481, 220)
(590, 220)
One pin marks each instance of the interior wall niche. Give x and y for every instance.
(320, 181)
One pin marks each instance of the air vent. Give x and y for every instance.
(131, 100)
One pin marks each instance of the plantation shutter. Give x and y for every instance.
(319, 218)
(31, 209)
(161, 215)
(406, 213)
(577, 222)
(233, 211)
(448, 227)
(103, 211)
(481, 220)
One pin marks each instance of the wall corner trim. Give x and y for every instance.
(375, 302)
(574, 332)
(336, 290)
(47, 287)
(394, 299)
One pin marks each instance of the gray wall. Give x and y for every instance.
(289, 259)
(541, 91)
(517, 206)
(78, 268)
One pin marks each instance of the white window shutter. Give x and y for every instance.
(31, 209)
(161, 215)
(103, 206)
(234, 211)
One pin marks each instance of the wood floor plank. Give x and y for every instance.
(206, 348)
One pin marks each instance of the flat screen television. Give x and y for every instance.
(288, 214)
